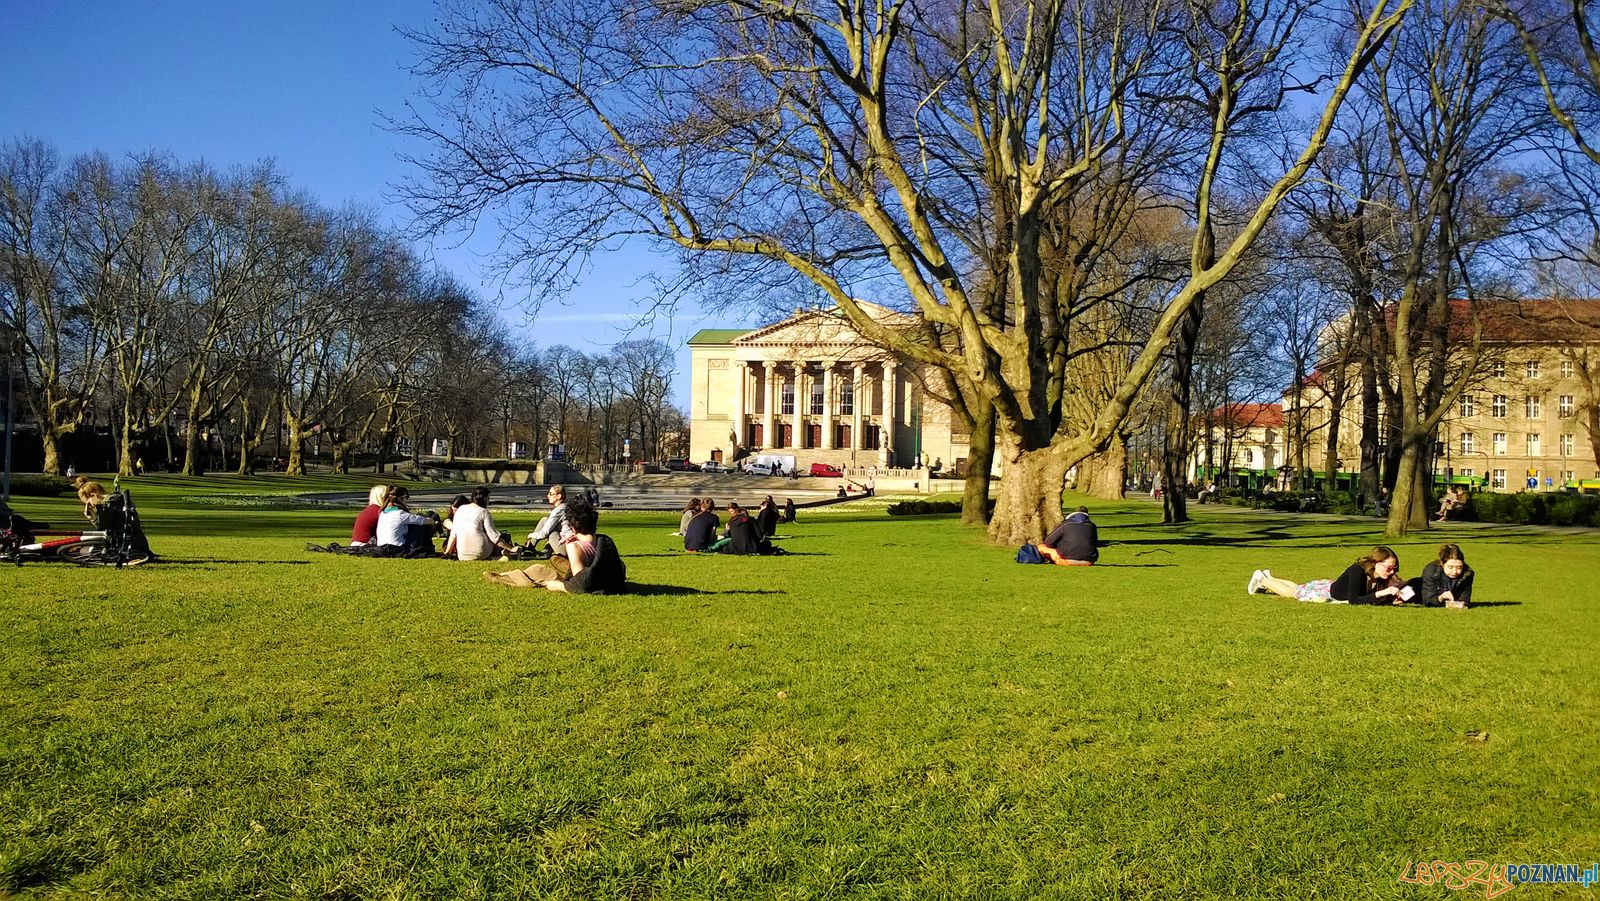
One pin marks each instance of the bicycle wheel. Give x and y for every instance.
(87, 553)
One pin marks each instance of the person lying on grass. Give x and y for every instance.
(592, 562)
(1446, 582)
(1371, 579)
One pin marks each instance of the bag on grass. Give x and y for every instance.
(1029, 554)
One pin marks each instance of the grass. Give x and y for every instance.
(895, 710)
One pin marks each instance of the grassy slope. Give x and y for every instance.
(895, 710)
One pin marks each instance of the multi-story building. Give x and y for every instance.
(811, 387)
(1526, 417)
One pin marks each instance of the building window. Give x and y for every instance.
(1468, 471)
(1498, 369)
(787, 404)
(818, 399)
(1566, 445)
(1500, 443)
(1497, 407)
(1566, 476)
(847, 398)
(1566, 369)
(1533, 369)
(1499, 479)
(1469, 406)
(1531, 407)
(1564, 406)
(1466, 442)
(1533, 445)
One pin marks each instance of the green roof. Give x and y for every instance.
(717, 335)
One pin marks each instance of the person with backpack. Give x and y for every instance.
(1075, 542)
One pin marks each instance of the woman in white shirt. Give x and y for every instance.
(398, 527)
(473, 535)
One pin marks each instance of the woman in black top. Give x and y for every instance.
(702, 529)
(1369, 580)
(767, 517)
(1446, 582)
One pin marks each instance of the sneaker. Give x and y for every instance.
(1255, 581)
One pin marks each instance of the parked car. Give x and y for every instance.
(713, 466)
(679, 464)
(759, 469)
(826, 470)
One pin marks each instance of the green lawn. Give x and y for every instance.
(896, 710)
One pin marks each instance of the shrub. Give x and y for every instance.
(927, 508)
(40, 486)
(1534, 508)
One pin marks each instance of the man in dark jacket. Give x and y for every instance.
(702, 529)
(1076, 542)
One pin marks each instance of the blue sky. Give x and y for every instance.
(303, 83)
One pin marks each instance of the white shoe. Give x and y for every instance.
(1266, 574)
(1255, 581)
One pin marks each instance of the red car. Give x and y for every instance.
(826, 470)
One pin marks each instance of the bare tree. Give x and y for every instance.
(855, 145)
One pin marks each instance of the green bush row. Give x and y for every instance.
(33, 485)
(1533, 508)
(923, 508)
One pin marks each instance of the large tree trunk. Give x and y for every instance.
(297, 441)
(1103, 475)
(51, 440)
(1408, 510)
(1371, 403)
(1029, 503)
(192, 433)
(980, 463)
(125, 446)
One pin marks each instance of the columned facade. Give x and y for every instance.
(810, 388)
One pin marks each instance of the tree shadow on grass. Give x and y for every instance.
(1477, 604)
(166, 561)
(645, 589)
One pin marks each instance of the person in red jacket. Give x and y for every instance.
(365, 531)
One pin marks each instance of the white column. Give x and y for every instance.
(741, 375)
(891, 414)
(769, 373)
(858, 397)
(800, 401)
(827, 404)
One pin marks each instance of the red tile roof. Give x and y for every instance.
(1563, 320)
(1250, 416)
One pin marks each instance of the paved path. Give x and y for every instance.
(633, 495)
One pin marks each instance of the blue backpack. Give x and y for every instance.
(1029, 554)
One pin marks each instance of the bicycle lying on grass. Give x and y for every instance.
(117, 540)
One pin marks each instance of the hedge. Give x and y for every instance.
(33, 485)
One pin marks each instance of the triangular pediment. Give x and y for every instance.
(811, 330)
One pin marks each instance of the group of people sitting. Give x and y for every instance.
(745, 534)
(1375, 579)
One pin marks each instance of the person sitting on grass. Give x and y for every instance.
(689, 511)
(788, 509)
(742, 536)
(767, 517)
(1075, 542)
(553, 527)
(1451, 500)
(1446, 582)
(1371, 579)
(365, 530)
(91, 494)
(593, 564)
(402, 533)
(473, 535)
(702, 529)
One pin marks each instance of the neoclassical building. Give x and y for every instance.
(810, 387)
